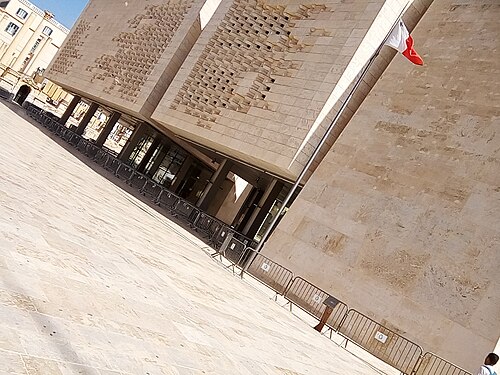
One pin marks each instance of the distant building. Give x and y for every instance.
(29, 40)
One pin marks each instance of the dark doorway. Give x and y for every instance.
(22, 94)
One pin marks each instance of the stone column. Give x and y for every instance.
(181, 175)
(263, 207)
(69, 111)
(110, 124)
(149, 154)
(214, 184)
(86, 118)
(134, 139)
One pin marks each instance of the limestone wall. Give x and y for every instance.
(262, 71)
(402, 218)
(125, 54)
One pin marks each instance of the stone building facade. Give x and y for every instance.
(401, 218)
(391, 218)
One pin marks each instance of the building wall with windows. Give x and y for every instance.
(29, 37)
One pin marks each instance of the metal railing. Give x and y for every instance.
(431, 364)
(312, 300)
(383, 343)
(268, 272)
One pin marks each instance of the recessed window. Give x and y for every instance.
(21, 13)
(12, 28)
(47, 30)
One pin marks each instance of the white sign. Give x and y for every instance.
(379, 336)
(266, 267)
(317, 298)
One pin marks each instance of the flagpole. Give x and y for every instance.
(327, 133)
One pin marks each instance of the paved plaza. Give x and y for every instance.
(93, 281)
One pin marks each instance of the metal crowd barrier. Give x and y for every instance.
(431, 364)
(167, 200)
(112, 164)
(151, 189)
(207, 224)
(137, 180)
(380, 341)
(268, 272)
(218, 238)
(186, 211)
(312, 300)
(233, 250)
(124, 172)
(96, 154)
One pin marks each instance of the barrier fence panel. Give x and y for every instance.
(96, 154)
(73, 138)
(151, 189)
(218, 239)
(233, 250)
(207, 224)
(186, 211)
(380, 341)
(167, 200)
(100, 156)
(268, 272)
(138, 180)
(312, 300)
(112, 164)
(124, 172)
(82, 145)
(431, 364)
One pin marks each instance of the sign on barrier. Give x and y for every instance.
(233, 250)
(380, 341)
(431, 364)
(220, 236)
(311, 299)
(269, 272)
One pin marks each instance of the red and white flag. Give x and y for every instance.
(401, 40)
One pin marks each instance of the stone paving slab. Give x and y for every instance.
(92, 281)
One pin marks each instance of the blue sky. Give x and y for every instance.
(65, 11)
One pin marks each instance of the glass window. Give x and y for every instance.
(47, 30)
(21, 13)
(12, 28)
(169, 167)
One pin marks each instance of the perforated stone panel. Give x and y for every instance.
(126, 53)
(260, 74)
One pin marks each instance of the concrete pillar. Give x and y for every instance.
(263, 207)
(149, 154)
(86, 118)
(69, 111)
(134, 139)
(181, 175)
(214, 184)
(110, 124)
